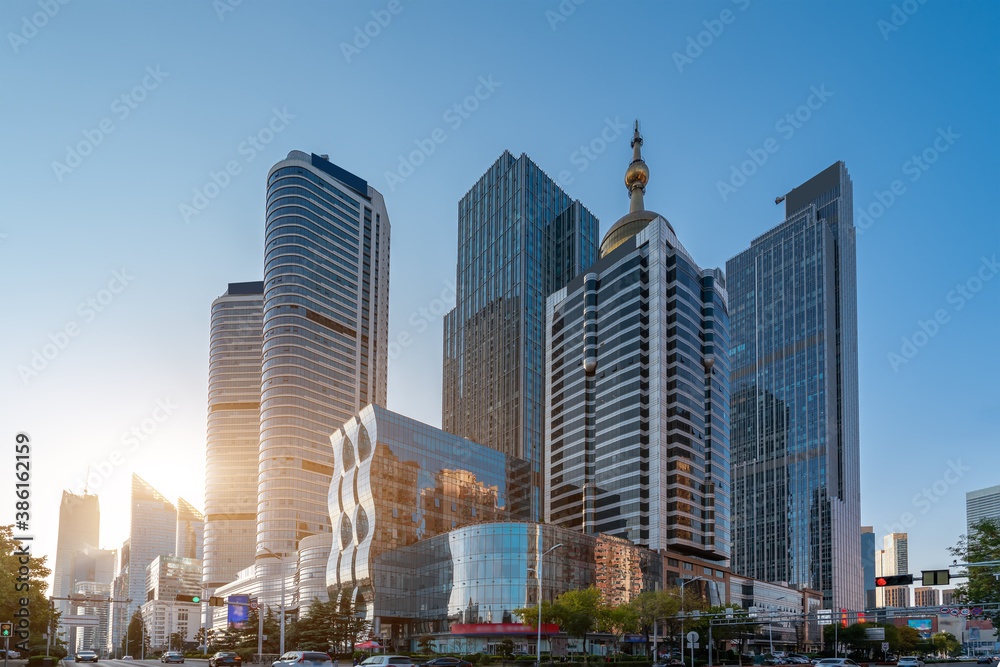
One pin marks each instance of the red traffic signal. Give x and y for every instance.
(894, 580)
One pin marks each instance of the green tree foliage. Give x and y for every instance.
(982, 544)
(854, 638)
(907, 640)
(946, 643)
(136, 640)
(23, 579)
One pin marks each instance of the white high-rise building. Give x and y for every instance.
(982, 504)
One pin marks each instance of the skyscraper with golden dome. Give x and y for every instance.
(637, 375)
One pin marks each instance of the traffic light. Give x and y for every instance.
(894, 580)
(189, 598)
(216, 602)
(6, 629)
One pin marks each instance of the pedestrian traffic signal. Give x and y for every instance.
(6, 629)
(189, 598)
(894, 580)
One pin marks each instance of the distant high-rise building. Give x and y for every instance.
(152, 533)
(520, 237)
(231, 466)
(93, 573)
(79, 529)
(982, 504)
(892, 560)
(190, 534)
(950, 596)
(868, 564)
(325, 335)
(166, 577)
(926, 597)
(794, 408)
(638, 390)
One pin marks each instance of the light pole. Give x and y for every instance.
(538, 644)
(683, 584)
(282, 561)
(770, 636)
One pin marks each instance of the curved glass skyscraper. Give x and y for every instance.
(233, 433)
(325, 333)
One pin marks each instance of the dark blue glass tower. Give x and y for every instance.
(794, 407)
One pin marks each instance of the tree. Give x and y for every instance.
(618, 621)
(982, 544)
(137, 638)
(507, 647)
(577, 612)
(424, 644)
(22, 577)
(200, 639)
(654, 606)
(908, 639)
(176, 642)
(946, 643)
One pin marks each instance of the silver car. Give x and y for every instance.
(388, 660)
(303, 659)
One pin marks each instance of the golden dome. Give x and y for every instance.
(637, 173)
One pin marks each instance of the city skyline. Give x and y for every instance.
(136, 279)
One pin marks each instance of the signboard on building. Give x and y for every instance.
(875, 634)
(239, 608)
(925, 626)
(502, 629)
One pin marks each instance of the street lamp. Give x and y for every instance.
(683, 584)
(282, 561)
(770, 636)
(538, 572)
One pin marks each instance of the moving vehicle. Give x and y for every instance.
(311, 658)
(387, 660)
(85, 656)
(837, 662)
(985, 660)
(225, 658)
(909, 661)
(446, 662)
(172, 656)
(126, 657)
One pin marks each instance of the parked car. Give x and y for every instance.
(386, 660)
(225, 658)
(126, 657)
(672, 662)
(909, 661)
(985, 660)
(446, 662)
(310, 658)
(172, 656)
(837, 662)
(797, 660)
(86, 656)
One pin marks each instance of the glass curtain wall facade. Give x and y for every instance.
(190, 535)
(79, 529)
(796, 466)
(638, 392)
(868, 564)
(325, 332)
(520, 237)
(233, 441)
(482, 573)
(398, 481)
(170, 576)
(982, 504)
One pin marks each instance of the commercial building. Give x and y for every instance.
(926, 597)
(152, 533)
(868, 564)
(233, 441)
(462, 587)
(94, 637)
(325, 332)
(428, 482)
(520, 237)
(786, 615)
(950, 596)
(982, 504)
(170, 624)
(794, 404)
(170, 576)
(190, 536)
(638, 391)
(893, 559)
(79, 529)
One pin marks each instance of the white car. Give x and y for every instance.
(388, 661)
(909, 661)
(837, 662)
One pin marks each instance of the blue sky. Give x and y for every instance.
(118, 115)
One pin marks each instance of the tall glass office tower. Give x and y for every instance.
(796, 466)
(325, 334)
(638, 391)
(79, 529)
(233, 441)
(520, 237)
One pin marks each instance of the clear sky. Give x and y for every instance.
(121, 224)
